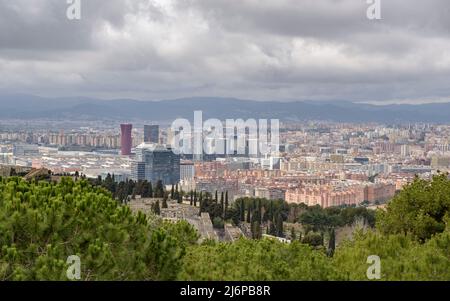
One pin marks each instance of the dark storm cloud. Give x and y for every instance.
(261, 49)
(328, 19)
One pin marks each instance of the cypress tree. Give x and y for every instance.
(156, 208)
(259, 212)
(159, 189)
(200, 204)
(242, 211)
(256, 229)
(331, 243)
(226, 205)
(143, 189)
(272, 230)
(279, 226)
(130, 186)
(221, 202)
(248, 213)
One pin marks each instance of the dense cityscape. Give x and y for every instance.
(320, 163)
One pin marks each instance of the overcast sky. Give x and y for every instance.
(254, 49)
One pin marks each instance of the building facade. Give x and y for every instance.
(151, 133)
(125, 139)
(326, 196)
(187, 170)
(156, 162)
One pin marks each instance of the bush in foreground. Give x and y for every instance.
(251, 260)
(42, 223)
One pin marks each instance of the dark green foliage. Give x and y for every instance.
(272, 229)
(155, 208)
(419, 209)
(218, 222)
(293, 234)
(313, 239)
(146, 190)
(402, 257)
(241, 211)
(41, 224)
(331, 242)
(279, 226)
(201, 204)
(251, 260)
(225, 209)
(222, 201)
(256, 230)
(159, 190)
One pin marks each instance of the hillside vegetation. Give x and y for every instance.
(43, 223)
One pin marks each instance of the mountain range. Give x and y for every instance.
(19, 106)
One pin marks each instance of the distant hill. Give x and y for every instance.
(80, 108)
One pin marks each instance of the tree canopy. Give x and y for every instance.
(420, 209)
(41, 224)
